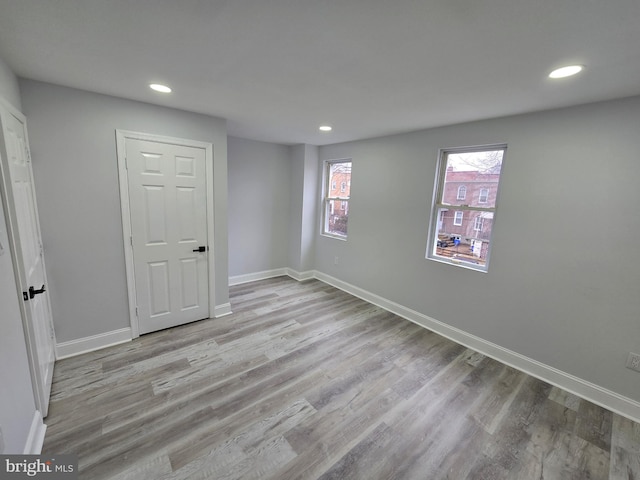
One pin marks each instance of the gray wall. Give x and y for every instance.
(259, 208)
(72, 136)
(17, 405)
(296, 206)
(9, 87)
(304, 201)
(562, 287)
(310, 202)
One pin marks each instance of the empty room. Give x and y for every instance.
(320, 240)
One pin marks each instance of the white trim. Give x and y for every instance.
(123, 182)
(278, 272)
(121, 137)
(209, 167)
(92, 343)
(326, 199)
(222, 310)
(41, 384)
(478, 220)
(301, 276)
(254, 277)
(437, 205)
(35, 439)
(608, 399)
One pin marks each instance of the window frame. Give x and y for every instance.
(437, 205)
(462, 193)
(478, 223)
(486, 196)
(455, 217)
(327, 200)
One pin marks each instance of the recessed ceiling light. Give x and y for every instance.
(160, 88)
(326, 128)
(566, 71)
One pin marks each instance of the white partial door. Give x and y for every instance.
(168, 214)
(28, 252)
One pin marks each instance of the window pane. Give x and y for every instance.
(336, 215)
(340, 179)
(472, 178)
(336, 191)
(467, 242)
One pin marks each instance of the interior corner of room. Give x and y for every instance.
(559, 302)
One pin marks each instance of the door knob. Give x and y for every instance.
(201, 248)
(33, 292)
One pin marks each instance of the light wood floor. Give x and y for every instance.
(304, 381)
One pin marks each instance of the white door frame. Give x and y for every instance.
(39, 384)
(121, 137)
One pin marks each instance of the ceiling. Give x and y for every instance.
(277, 69)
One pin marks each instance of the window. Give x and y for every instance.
(336, 206)
(460, 232)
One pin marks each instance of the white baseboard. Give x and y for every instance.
(278, 272)
(222, 310)
(594, 393)
(301, 276)
(35, 439)
(254, 277)
(94, 342)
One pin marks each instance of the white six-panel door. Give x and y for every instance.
(28, 251)
(169, 235)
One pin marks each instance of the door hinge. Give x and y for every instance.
(136, 311)
(131, 240)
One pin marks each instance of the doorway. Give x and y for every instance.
(166, 197)
(21, 211)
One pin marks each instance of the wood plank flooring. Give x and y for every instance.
(304, 381)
